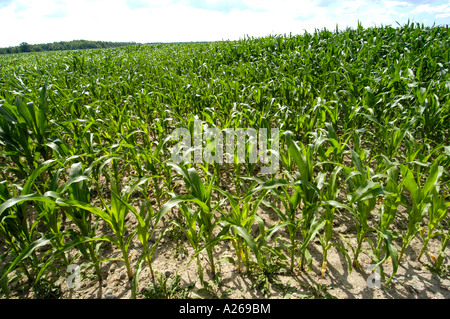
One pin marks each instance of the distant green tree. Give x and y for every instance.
(56, 46)
(25, 47)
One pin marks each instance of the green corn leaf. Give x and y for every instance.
(20, 199)
(196, 183)
(367, 190)
(313, 231)
(28, 251)
(271, 184)
(182, 198)
(77, 204)
(346, 255)
(30, 181)
(411, 185)
(433, 178)
(391, 252)
(24, 112)
(242, 232)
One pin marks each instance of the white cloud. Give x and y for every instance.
(443, 15)
(392, 3)
(440, 11)
(351, 6)
(426, 8)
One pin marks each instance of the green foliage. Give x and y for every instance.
(363, 116)
(165, 289)
(63, 45)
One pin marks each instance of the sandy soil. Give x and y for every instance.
(414, 280)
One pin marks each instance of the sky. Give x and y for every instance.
(144, 21)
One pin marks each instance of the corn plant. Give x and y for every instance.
(330, 193)
(289, 215)
(305, 190)
(78, 190)
(24, 129)
(153, 162)
(387, 215)
(391, 135)
(437, 212)
(337, 148)
(148, 219)
(439, 260)
(203, 215)
(362, 200)
(240, 220)
(19, 230)
(117, 212)
(15, 233)
(421, 200)
(24, 243)
(243, 216)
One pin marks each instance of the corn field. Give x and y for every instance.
(363, 117)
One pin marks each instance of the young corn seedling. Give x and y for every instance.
(22, 240)
(288, 214)
(430, 112)
(437, 212)
(189, 227)
(77, 209)
(335, 152)
(202, 216)
(213, 152)
(147, 234)
(240, 221)
(15, 235)
(445, 237)
(421, 199)
(362, 199)
(115, 216)
(49, 214)
(155, 164)
(290, 218)
(330, 193)
(18, 228)
(388, 210)
(391, 135)
(117, 213)
(78, 190)
(305, 183)
(238, 228)
(146, 231)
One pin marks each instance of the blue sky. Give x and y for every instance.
(42, 21)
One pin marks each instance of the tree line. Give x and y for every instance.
(63, 45)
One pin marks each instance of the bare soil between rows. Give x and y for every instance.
(414, 279)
